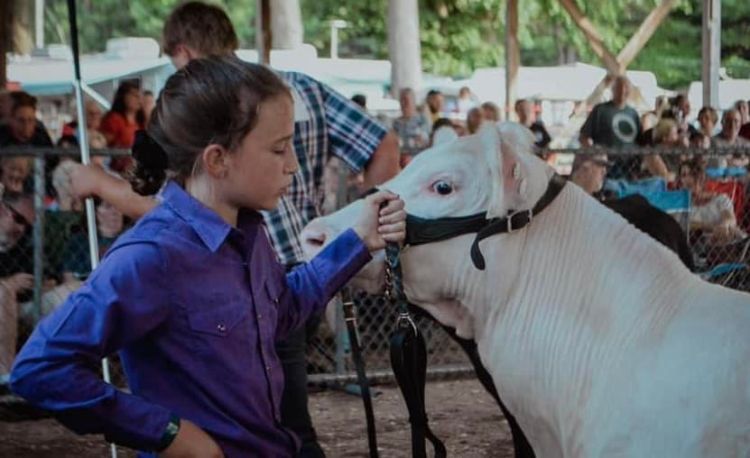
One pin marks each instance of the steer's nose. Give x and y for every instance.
(314, 237)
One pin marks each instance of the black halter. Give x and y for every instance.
(421, 230)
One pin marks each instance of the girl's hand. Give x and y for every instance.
(376, 226)
(192, 442)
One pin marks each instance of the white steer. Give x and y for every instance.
(598, 339)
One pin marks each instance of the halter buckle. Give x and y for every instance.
(405, 319)
(510, 216)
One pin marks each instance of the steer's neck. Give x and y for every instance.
(564, 300)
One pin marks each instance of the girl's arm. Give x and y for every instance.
(313, 284)
(57, 369)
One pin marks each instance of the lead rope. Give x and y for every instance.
(350, 317)
(409, 358)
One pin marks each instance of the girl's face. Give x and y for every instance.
(261, 169)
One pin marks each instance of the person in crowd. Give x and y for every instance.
(729, 137)
(526, 116)
(76, 259)
(443, 131)
(334, 128)
(474, 120)
(589, 172)
(209, 382)
(434, 102)
(491, 112)
(93, 125)
(744, 110)
(711, 213)
(411, 127)
(16, 217)
(465, 101)
(22, 127)
(122, 121)
(681, 113)
(700, 140)
(148, 102)
(707, 119)
(614, 124)
(361, 100)
(14, 173)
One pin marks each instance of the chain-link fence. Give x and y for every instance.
(705, 191)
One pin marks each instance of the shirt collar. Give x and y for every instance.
(209, 226)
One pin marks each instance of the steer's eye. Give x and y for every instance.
(442, 187)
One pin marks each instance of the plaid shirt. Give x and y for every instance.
(325, 123)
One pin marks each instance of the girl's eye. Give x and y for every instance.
(442, 187)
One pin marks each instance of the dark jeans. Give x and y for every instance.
(294, 412)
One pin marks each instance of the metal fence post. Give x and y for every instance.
(38, 234)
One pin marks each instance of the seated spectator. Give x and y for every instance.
(707, 119)
(589, 172)
(491, 112)
(361, 100)
(465, 101)
(148, 103)
(122, 121)
(681, 110)
(711, 213)
(93, 124)
(14, 174)
(744, 110)
(434, 102)
(727, 138)
(22, 127)
(700, 140)
(527, 117)
(16, 215)
(76, 259)
(412, 127)
(443, 130)
(666, 134)
(474, 120)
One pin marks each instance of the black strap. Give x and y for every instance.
(359, 364)
(515, 220)
(409, 362)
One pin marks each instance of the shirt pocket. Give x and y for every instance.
(220, 318)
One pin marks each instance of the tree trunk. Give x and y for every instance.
(6, 23)
(403, 45)
(23, 14)
(286, 23)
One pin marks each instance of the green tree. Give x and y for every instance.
(457, 36)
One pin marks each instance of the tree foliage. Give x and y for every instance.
(457, 36)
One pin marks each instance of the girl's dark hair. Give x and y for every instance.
(215, 100)
(118, 104)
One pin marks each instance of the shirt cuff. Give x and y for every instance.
(341, 260)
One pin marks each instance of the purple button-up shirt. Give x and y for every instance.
(194, 307)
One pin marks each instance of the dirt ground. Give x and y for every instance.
(461, 413)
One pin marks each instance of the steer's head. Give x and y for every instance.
(492, 171)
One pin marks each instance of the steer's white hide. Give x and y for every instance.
(599, 340)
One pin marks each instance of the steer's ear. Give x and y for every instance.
(508, 148)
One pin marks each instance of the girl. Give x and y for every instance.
(192, 296)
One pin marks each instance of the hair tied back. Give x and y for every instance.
(151, 164)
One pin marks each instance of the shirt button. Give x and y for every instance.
(259, 316)
(221, 327)
(268, 368)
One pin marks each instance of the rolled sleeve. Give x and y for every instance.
(57, 369)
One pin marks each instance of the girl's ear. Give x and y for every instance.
(215, 161)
